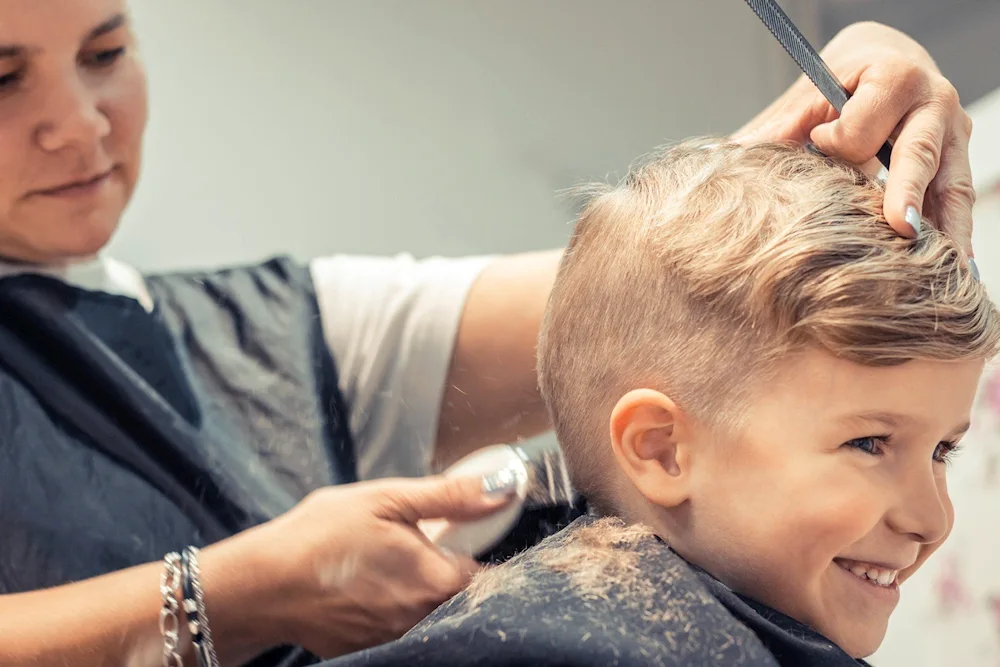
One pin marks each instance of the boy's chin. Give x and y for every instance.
(857, 639)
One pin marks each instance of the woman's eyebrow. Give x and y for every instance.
(112, 24)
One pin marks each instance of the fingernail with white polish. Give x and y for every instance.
(500, 483)
(913, 218)
(974, 268)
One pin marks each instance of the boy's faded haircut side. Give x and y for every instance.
(709, 263)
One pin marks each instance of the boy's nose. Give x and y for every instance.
(923, 509)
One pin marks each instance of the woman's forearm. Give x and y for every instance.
(491, 394)
(113, 620)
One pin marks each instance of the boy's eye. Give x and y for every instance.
(874, 445)
(946, 451)
(869, 445)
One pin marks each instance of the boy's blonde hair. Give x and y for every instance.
(708, 264)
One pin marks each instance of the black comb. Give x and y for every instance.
(808, 60)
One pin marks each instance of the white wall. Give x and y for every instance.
(984, 153)
(431, 126)
(984, 156)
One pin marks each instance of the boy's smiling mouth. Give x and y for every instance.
(878, 579)
(877, 574)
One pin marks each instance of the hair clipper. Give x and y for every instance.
(541, 480)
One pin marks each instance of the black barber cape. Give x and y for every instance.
(126, 434)
(633, 603)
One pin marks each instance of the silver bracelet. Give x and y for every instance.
(170, 624)
(194, 605)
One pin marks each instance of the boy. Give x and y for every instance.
(759, 385)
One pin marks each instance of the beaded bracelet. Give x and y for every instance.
(194, 606)
(182, 575)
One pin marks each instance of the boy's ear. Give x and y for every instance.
(651, 441)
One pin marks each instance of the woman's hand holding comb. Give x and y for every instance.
(898, 93)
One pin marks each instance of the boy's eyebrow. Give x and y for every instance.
(960, 430)
(896, 420)
(890, 419)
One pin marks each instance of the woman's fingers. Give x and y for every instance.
(899, 94)
(458, 498)
(445, 573)
(897, 97)
(951, 195)
(930, 175)
(916, 157)
(868, 118)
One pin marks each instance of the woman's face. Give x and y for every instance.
(72, 114)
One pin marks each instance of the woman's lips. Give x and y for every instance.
(81, 188)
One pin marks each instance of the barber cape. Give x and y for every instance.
(593, 597)
(177, 411)
(132, 427)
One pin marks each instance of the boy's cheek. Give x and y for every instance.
(808, 528)
(787, 530)
(928, 550)
(794, 523)
(925, 552)
(834, 519)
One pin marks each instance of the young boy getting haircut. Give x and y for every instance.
(758, 386)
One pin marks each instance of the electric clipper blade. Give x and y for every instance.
(542, 480)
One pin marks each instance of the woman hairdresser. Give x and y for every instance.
(236, 410)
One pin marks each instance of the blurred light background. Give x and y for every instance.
(427, 126)
(448, 126)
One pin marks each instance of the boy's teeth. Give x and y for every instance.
(881, 577)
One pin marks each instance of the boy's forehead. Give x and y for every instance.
(916, 395)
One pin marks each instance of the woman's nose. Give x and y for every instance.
(71, 118)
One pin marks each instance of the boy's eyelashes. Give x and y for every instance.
(875, 445)
(946, 452)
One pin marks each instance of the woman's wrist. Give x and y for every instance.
(243, 597)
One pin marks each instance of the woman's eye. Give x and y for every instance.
(9, 79)
(869, 445)
(104, 58)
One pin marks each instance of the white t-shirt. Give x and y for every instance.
(390, 324)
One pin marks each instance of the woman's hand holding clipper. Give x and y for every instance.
(348, 568)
